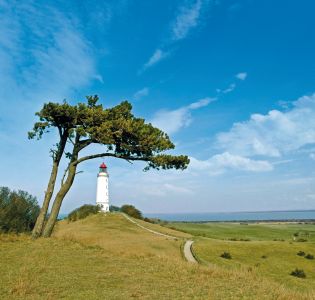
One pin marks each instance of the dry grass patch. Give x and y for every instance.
(110, 258)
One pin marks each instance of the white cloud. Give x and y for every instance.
(201, 103)
(273, 134)
(141, 93)
(186, 19)
(171, 121)
(241, 76)
(176, 189)
(312, 156)
(230, 88)
(42, 51)
(157, 56)
(219, 163)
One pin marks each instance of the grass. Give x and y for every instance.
(107, 257)
(280, 259)
(271, 250)
(251, 231)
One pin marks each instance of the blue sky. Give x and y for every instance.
(231, 81)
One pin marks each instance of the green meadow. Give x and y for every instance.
(108, 257)
(252, 231)
(266, 249)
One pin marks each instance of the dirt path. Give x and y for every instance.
(187, 247)
(150, 230)
(188, 253)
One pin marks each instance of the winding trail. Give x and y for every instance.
(188, 253)
(187, 247)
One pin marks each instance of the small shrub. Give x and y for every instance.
(298, 273)
(151, 221)
(264, 256)
(226, 255)
(309, 256)
(82, 212)
(301, 253)
(301, 240)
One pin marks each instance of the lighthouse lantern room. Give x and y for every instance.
(102, 197)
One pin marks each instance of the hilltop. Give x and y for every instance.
(108, 257)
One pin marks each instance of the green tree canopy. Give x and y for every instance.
(121, 134)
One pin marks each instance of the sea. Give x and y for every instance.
(292, 215)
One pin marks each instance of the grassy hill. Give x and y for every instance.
(108, 257)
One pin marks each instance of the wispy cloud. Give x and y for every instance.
(312, 156)
(229, 89)
(141, 93)
(43, 51)
(241, 76)
(188, 17)
(156, 57)
(171, 121)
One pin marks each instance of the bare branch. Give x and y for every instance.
(78, 172)
(70, 139)
(64, 174)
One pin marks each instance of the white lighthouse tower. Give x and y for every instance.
(102, 197)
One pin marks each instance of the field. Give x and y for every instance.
(269, 250)
(107, 257)
(252, 231)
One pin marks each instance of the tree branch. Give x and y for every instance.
(84, 143)
(64, 174)
(128, 158)
(70, 139)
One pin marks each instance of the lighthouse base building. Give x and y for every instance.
(102, 196)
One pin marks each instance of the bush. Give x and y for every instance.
(264, 256)
(309, 256)
(301, 253)
(298, 273)
(82, 212)
(148, 220)
(226, 255)
(131, 211)
(18, 211)
(301, 240)
(114, 208)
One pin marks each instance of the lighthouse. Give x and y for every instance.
(102, 198)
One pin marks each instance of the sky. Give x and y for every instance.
(231, 81)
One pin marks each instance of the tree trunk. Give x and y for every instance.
(58, 201)
(40, 221)
(38, 228)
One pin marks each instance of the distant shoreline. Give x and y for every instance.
(250, 217)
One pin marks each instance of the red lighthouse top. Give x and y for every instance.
(103, 166)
